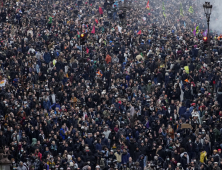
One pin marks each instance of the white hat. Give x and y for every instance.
(97, 166)
(69, 157)
(71, 164)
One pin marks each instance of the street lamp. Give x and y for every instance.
(207, 10)
(126, 5)
(108, 8)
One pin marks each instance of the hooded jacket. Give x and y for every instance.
(47, 57)
(182, 110)
(125, 157)
(203, 156)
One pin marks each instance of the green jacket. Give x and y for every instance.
(50, 20)
(217, 134)
(149, 88)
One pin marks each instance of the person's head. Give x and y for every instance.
(215, 151)
(175, 151)
(130, 159)
(21, 163)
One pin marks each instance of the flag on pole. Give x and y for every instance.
(87, 50)
(205, 33)
(163, 7)
(164, 14)
(93, 30)
(194, 31)
(197, 30)
(181, 9)
(100, 10)
(139, 32)
(191, 9)
(119, 29)
(148, 5)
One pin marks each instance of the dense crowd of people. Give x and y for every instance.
(143, 93)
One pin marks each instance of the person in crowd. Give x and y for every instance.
(84, 85)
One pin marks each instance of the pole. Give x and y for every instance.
(47, 8)
(82, 50)
(80, 38)
(80, 35)
(208, 25)
(208, 40)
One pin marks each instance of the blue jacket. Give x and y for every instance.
(98, 147)
(147, 125)
(54, 106)
(104, 141)
(46, 166)
(15, 82)
(182, 110)
(18, 16)
(128, 78)
(47, 57)
(64, 80)
(206, 147)
(54, 120)
(191, 109)
(125, 158)
(61, 133)
(141, 162)
(161, 112)
(89, 141)
(46, 104)
(116, 106)
(187, 114)
(167, 79)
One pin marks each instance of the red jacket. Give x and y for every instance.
(40, 156)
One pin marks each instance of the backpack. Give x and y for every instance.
(102, 163)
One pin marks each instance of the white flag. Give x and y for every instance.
(120, 29)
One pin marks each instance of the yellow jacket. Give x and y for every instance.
(203, 156)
